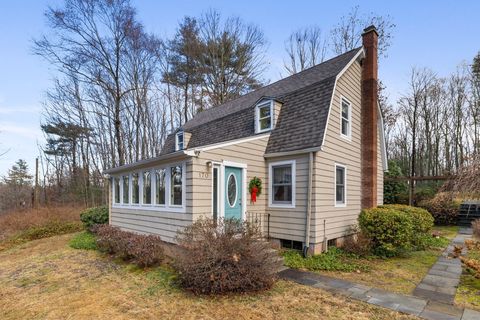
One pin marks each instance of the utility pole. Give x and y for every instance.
(35, 191)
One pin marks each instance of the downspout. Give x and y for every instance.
(309, 205)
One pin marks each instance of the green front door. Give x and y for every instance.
(233, 193)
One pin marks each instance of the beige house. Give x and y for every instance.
(314, 139)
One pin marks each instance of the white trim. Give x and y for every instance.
(291, 153)
(382, 140)
(153, 206)
(293, 164)
(236, 191)
(223, 194)
(348, 136)
(232, 142)
(336, 204)
(217, 167)
(355, 58)
(257, 116)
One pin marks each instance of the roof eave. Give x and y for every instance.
(132, 166)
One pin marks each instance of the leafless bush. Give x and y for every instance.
(143, 250)
(223, 257)
(357, 242)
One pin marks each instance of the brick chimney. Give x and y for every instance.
(369, 117)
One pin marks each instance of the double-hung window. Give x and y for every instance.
(346, 114)
(264, 116)
(340, 185)
(179, 141)
(282, 184)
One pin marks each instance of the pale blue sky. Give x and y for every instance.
(435, 34)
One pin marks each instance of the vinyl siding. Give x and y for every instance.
(380, 169)
(289, 223)
(338, 150)
(149, 221)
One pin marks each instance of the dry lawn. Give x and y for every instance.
(17, 221)
(45, 279)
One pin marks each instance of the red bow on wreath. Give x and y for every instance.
(254, 194)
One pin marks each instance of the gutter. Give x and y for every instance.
(309, 205)
(130, 166)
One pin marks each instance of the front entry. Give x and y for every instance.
(233, 193)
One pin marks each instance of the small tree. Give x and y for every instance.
(393, 189)
(18, 186)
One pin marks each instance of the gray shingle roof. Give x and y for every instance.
(306, 96)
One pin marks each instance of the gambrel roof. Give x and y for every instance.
(305, 98)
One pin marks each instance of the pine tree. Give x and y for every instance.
(18, 175)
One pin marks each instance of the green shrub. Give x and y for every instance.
(228, 256)
(333, 260)
(93, 216)
(394, 191)
(443, 207)
(143, 250)
(423, 220)
(391, 231)
(84, 240)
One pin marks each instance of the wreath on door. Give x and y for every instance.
(255, 188)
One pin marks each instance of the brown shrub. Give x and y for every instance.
(16, 221)
(443, 207)
(472, 244)
(473, 264)
(226, 257)
(143, 250)
(476, 228)
(357, 243)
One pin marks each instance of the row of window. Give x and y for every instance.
(283, 184)
(159, 186)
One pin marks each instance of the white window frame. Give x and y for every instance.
(114, 189)
(271, 203)
(257, 116)
(177, 142)
(348, 136)
(337, 204)
(167, 207)
(154, 202)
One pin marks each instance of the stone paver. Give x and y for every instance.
(440, 283)
(433, 297)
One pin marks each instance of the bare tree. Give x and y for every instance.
(346, 35)
(305, 48)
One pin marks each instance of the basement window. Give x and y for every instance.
(290, 244)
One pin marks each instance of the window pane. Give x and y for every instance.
(232, 190)
(147, 188)
(135, 188)
(345, 108)
(126, 190)
(265, 123)
(160, 186)
(180, 141)
(282, 193)
(282, 175)
(176, 186)
(340, 185)
(116, 183)
(264, 111)
(345, 127)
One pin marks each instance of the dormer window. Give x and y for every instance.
(179, 141)
(264, 116)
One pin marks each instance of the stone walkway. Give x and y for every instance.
(433, 296)
(440, 283)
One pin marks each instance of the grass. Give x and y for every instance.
(468, 291)
(398, 274)
(47, 279)
(84, 240)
